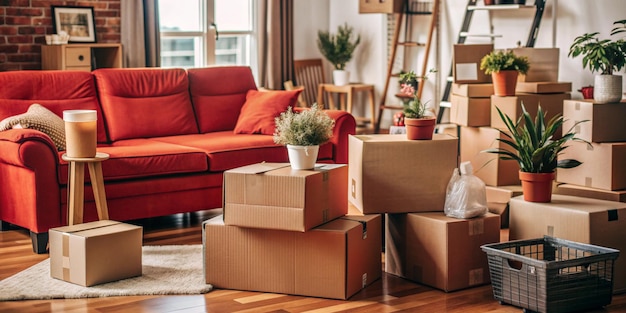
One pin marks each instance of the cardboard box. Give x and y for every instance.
(334, 260)
(512, 106)
(274, 196)
(502, 210)
(605, 122)
(603, 167)
(390, 174)
(594, 193)
(467, 111)
(380, 6)
(498, 201)
(544, 64)
(584, 220)
(466, 61)
(473, 90)
(543, 87)
(487, 166)
(94, 253)
(440, 251)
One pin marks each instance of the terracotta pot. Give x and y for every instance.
(537, 187)
(504, 82)
(488, 2)
(420, 128)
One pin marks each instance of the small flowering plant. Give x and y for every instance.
(414, 108)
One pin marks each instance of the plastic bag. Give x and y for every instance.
(465, 196)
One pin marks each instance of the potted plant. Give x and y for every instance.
(606, 57)
(418, 123)
(338, 50)
(302, 132)
(504, 67)
(532, 144)
(408, 78)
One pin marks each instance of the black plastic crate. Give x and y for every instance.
(550, 274)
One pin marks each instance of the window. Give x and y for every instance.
(188, 35)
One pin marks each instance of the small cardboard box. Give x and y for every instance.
(544, 64)
(473, 90)
(498, 201)
(466, 60)
(334, 260)
(380, 6)
(467, 111)
(512, 106)
(583, 220)
(603, 165)
(94, 253)
(594, 193)
(440, 251)
(502, 210)
(391, 174)
(605, 122)
(274, 196)
(487, 166)
(543, 87)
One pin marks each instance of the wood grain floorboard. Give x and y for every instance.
(388, 294)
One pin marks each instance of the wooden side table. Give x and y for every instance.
(347, 91)
(76, 186)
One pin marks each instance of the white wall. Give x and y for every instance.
(573, 18)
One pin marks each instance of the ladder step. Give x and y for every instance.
(411, 44)
(445, 104)
(419, 12)
(467, 34)
(391, 107)
(496, 7)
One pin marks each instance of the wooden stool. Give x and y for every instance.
(344, 92)
(76, 186)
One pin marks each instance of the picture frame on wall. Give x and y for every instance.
(76, 21)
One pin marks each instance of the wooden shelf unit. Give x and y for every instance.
(81, 57)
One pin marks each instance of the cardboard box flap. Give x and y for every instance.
(258, 168)
(85, 226)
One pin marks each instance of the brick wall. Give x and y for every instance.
(24, 23)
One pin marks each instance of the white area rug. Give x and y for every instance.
(167, 270)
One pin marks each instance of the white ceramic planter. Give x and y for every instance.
(302, 157)
(607, 88)
(341, 78)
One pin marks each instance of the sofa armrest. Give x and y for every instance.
(345, 124)
(29, 185)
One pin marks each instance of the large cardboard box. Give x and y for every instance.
(473, 90)
(512, 106)
(466, 63)
(544, 64)
(498, 201)
(334, 260)
(467, 111)
(543, 87)
(274, 196)
(390, 174)
(487, 166)
(605, 122)
(380, 6)
(440, 251)
(594, 193)
(603, 167)
(94, 253)
(584, 220)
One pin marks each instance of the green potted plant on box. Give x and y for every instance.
(606, 57)
(338, 50)
(418, 123)
(532, 144)
(504, 67)
(303, 132)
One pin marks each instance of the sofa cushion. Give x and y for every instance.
(261, 108)
(55, 90)
(218, 93)
(136, 158)
(39, 118)
(142, 103)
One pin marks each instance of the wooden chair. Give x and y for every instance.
(289, 86)
(309, 74)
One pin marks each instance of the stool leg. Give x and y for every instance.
(348, 102)
(97, 184)
(372, 108)
(76, 194)
(320, 97)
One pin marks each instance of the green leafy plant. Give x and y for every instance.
(604, 56)
(409, 77)
(532, 142)
(413, 108)
(338, 49)
(310, 127)
(500, 60)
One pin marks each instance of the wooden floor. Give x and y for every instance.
(389, 294)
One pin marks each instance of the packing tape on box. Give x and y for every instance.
(476, 276)
(66, 256)
(476, 227)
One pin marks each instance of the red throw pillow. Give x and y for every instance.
(261, 108)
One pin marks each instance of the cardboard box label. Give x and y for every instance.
(466, 59)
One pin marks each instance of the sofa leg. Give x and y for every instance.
(40, 242)
(4, 226)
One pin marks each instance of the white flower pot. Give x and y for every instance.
(341, 78)
(302, 157)
(607, 88)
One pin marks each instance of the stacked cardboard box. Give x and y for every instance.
(603, 172)
(407, 180)
(286, 231)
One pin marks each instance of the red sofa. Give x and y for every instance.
(169, 134)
